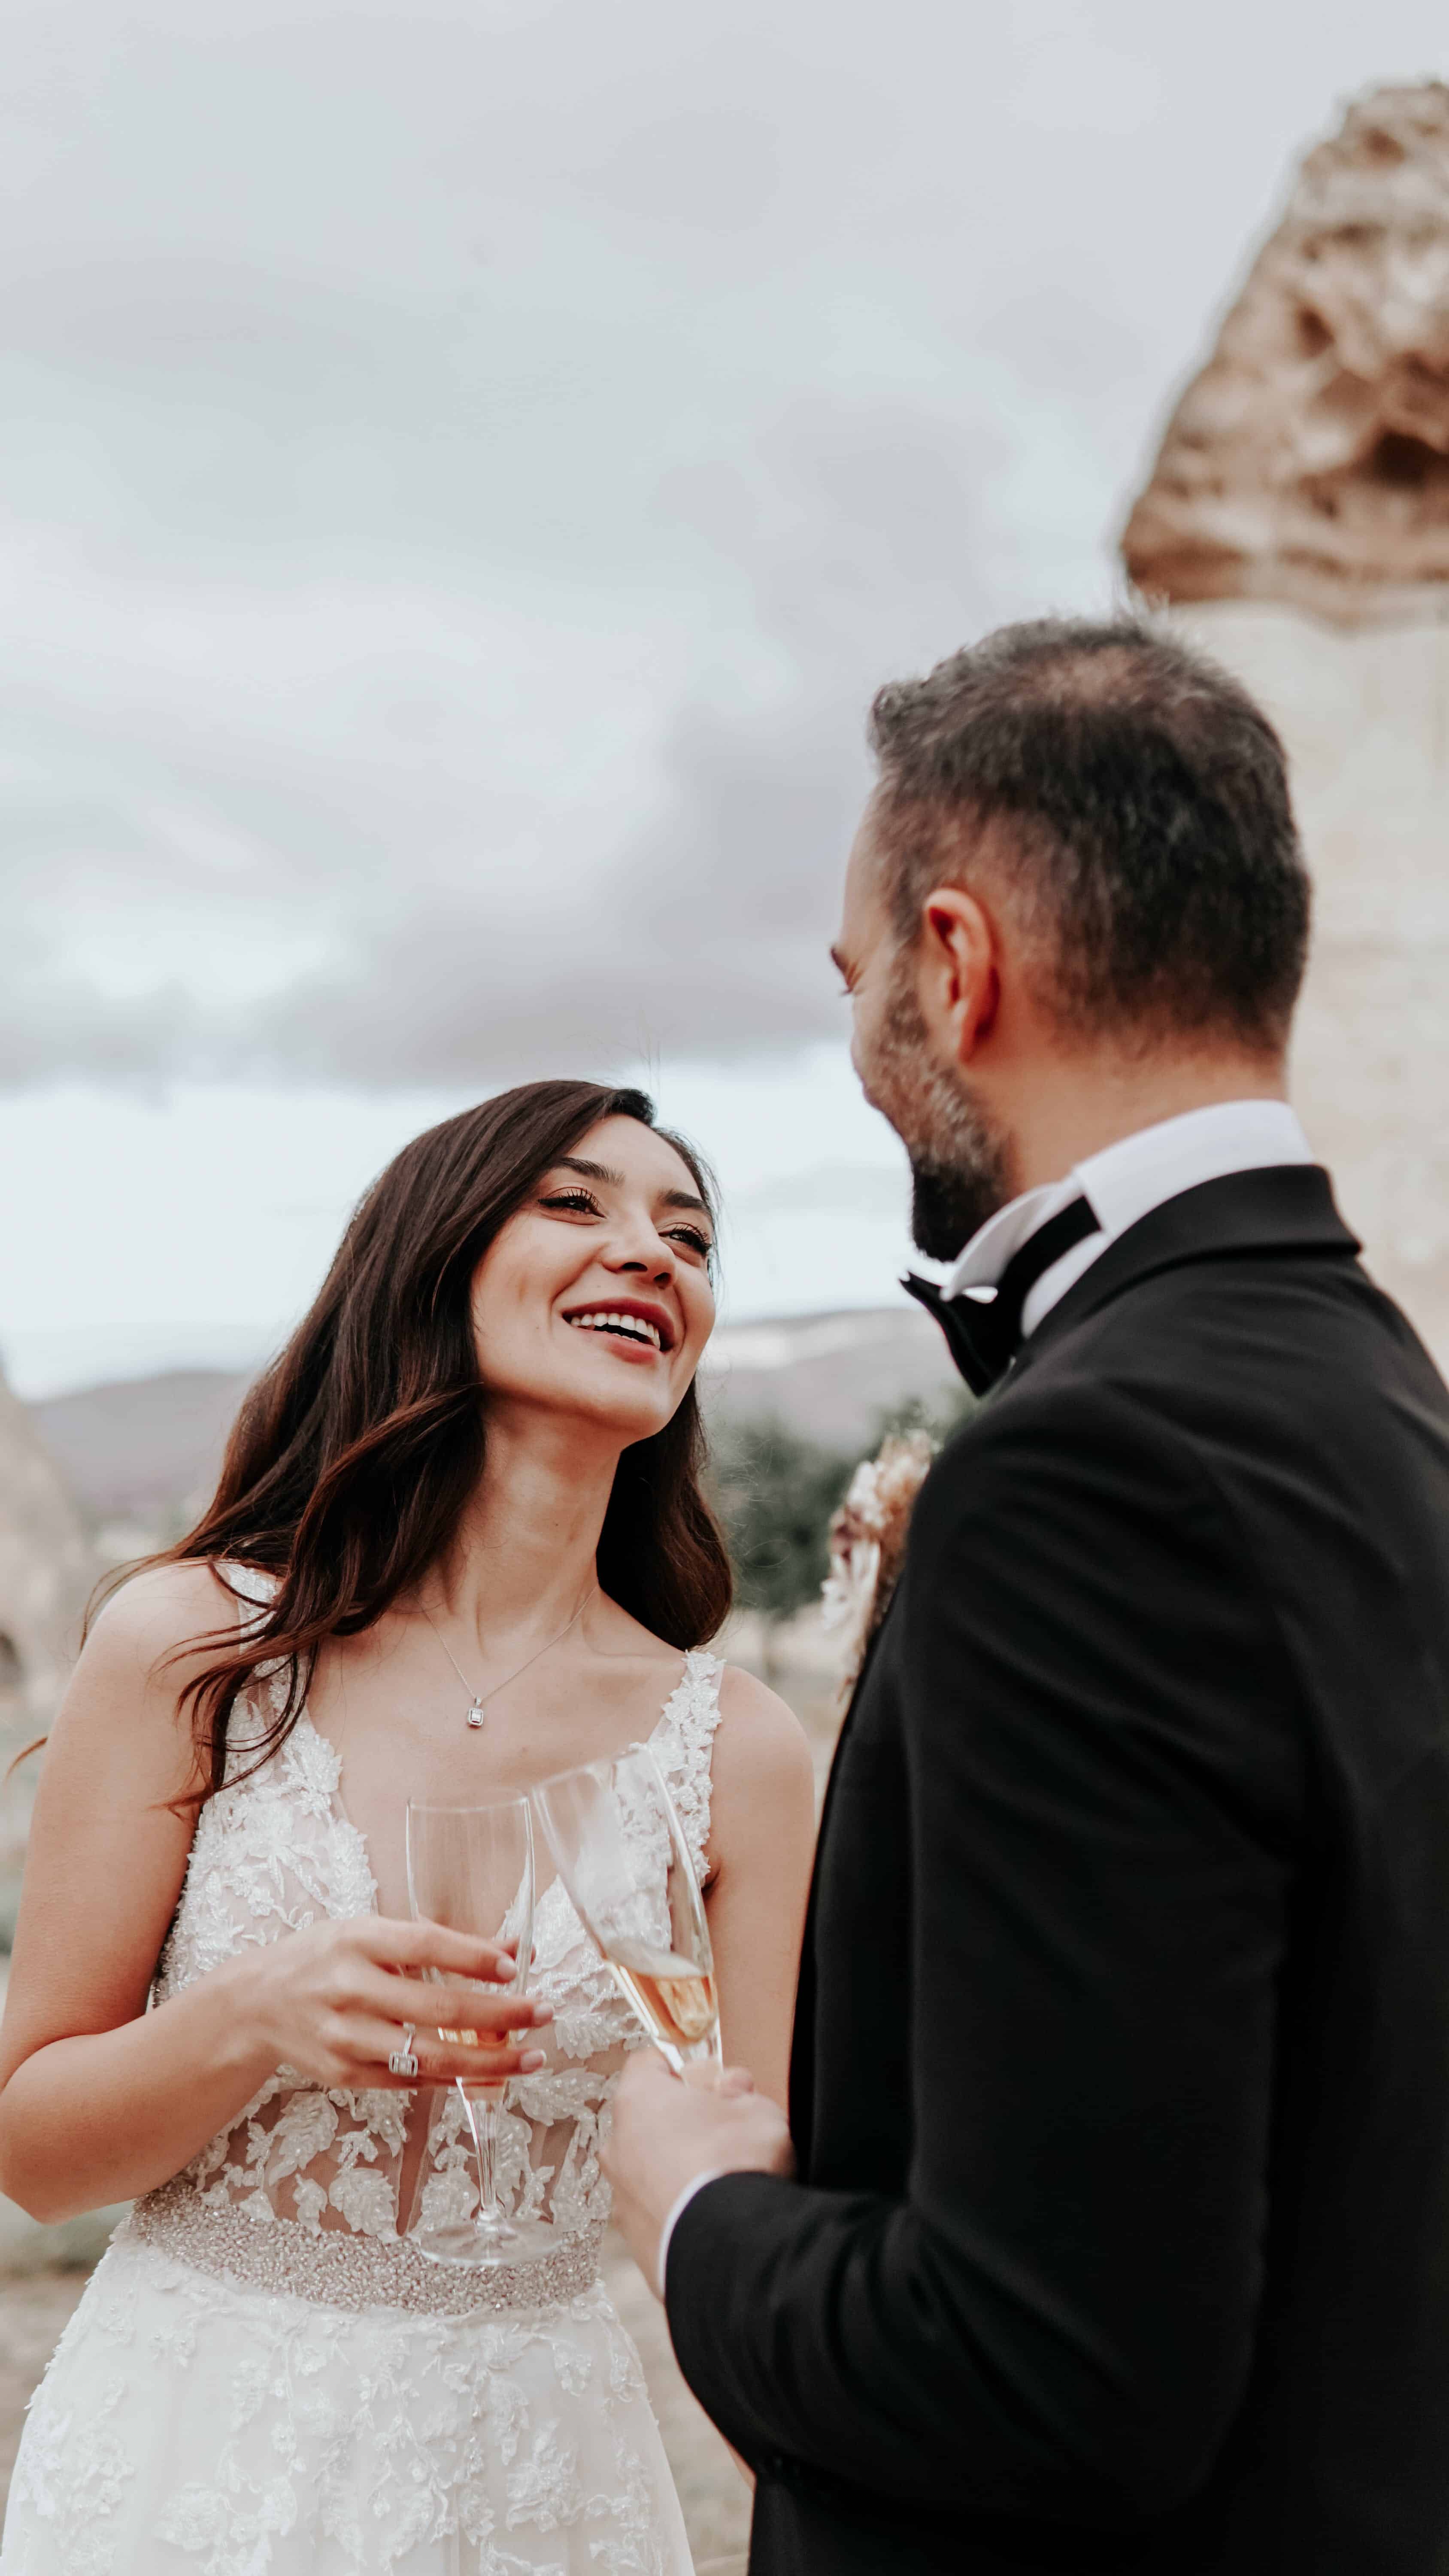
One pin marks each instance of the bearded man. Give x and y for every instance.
(1112, 2231)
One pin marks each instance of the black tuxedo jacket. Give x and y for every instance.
(1121, 2071)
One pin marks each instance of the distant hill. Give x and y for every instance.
(830, 1376)
(146, 1449)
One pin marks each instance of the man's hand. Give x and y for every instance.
(666, 2131)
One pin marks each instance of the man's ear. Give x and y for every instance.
(960, 981)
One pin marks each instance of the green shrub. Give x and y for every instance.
(775, 1492)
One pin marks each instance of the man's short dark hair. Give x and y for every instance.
(1128, 802)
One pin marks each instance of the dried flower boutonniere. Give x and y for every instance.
(868, 1543)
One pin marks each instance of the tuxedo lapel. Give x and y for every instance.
(1283, 1208)
(802, 2080)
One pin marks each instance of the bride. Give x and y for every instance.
(468, 1487)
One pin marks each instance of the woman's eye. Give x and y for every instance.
(697, 1242)
(577, 1201)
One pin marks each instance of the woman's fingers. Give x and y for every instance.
(432, 1945)
(464, 2008)
(375, 1995)
(433, 2007)
(370, 2044)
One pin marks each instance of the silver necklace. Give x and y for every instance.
(481, 1700)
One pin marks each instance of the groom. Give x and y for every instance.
(1112, 2230)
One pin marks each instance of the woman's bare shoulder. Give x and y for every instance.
(126, 1701)
(160, 1610)
(760, 1737)
(760, 1742)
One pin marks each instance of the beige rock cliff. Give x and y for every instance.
(1309, 462)
(1297, 521)
(1365, 718)
(46, 1570)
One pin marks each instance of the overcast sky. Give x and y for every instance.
(463, 472)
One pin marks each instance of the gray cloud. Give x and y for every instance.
(463, 474)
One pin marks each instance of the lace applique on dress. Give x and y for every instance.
(273, 1852)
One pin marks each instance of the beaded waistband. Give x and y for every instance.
(344, 2271)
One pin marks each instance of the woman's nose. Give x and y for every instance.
(644, 1260)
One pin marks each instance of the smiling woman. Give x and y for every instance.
(467, 1266)
(615, 1249)
(458, 1545)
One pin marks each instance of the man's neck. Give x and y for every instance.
(1079, 1110)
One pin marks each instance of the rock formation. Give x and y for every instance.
(46, 1570)
(1309, 462)
(1307, 470)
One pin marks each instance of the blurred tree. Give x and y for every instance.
(914, 1414)
(775, 1492)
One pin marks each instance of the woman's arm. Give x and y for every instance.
(99, 2098)
(762, 1842)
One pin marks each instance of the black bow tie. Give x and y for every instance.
(982, 1338)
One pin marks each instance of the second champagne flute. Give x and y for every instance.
(621, 1852)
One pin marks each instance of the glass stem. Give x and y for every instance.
(483, 2131)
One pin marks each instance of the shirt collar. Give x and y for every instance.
(1127, 1180)
(990, 1249)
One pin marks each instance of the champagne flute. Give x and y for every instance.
(471, 1869)
(609, 1825)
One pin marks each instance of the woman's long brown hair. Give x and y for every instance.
(354, 1454)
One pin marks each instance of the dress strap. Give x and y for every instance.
(252, 1587)
(684, 1745)
(255, 1708)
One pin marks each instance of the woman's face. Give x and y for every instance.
(595, 1299)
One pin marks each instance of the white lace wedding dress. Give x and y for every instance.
(264, 2377)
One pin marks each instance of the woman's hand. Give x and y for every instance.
(337, 2000)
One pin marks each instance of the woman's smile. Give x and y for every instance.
(635, 1328)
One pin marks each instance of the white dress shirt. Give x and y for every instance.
(1121, 1184)
(1125, 1182)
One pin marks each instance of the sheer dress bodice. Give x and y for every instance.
(303, 2190)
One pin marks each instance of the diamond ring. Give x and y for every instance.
(402, 2060)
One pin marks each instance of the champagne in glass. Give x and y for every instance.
(471, 1869)
(616, 1838)
(674, 1999)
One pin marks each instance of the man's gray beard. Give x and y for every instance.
(958, 1158)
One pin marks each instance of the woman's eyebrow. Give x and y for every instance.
(682, 1199)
